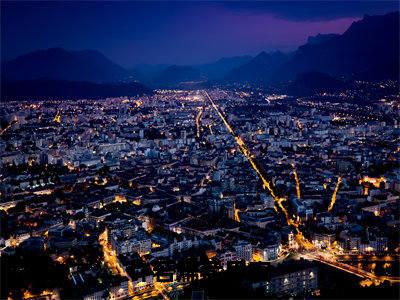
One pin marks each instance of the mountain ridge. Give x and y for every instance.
(368, 49)
(258, 68)
(64, 89)
(61, 64)
(357, 54)
(358, 48)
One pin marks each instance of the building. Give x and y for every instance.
(244, 250)
(128, 240)
(301, 281)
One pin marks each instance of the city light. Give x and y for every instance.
(296, 178)
(242, 146)
(198, 117)
(191, 161)
(333, 199)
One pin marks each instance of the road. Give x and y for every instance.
(310, 252)
(266, 183)
(198, 121)
(368, 258)
(331, 261)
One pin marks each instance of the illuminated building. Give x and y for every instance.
(128, 238)
(227, 256)
(323, 240)
(266, 253)
(244, 250)
(289, 279)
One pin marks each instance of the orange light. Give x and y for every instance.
(296, 178)
(120, 199)
(266, 183)
(333, 200)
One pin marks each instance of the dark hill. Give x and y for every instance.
(368, 49)
(60, 64)
(310, 83)
(176, 75)
(259, 69)
(366, 46)
(220, 68)
(61, 89)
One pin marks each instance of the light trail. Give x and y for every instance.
(333, 200)
(2, 131)
(301, 240)
(110, 257)
(350, 269)
(161, 288)
(244, 149)
(210, 127)
(242, 146)
(198, 117)
(236, 213)
(57, 118)
(288, 219)
(296, 178)
(5, 129)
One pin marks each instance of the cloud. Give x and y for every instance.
(313, 10)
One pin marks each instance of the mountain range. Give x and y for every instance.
(368, 49)
(56, 72)
(259, 69)
(368, 45)
(65, 89)
(174, 75)
(60, 64)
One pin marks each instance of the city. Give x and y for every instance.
(138, 181)
(198, 188)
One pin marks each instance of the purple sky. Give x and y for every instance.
(227, 33)
(174, 32)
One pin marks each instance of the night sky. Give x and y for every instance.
(131, 33)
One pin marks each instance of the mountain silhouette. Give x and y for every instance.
(60, 64)
(260, 68)
(63, 89)
(220, 68)
(369, 44)
(368, 49)
(309, 83)
(175, 75)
